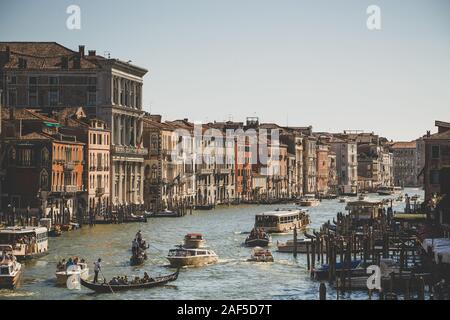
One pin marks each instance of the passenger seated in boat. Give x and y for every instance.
(146, 277)
(69, 263)
(114, 281)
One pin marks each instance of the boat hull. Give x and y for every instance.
(195, 261)
(257, 242)
(106, 288)
(31, 256)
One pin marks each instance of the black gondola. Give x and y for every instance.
(110, 288)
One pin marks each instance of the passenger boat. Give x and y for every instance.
(261, 255)
(258, 238)
(288, 246)
(194, 241)
(135, 218)
(26, 242)
(364, 210)
(309, 200)
(80, 269)
(183, 257)
(111, 288)
(280, 221)
(10, 269)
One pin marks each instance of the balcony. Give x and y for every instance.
(70, 189)
(100, 191)
(69, 166)
(67, 189)
(129, 150)
(224, 171)
(206, 171)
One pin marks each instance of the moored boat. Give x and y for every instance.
(289, 246)
(26, 242)
(10, 269)
(111, 288)
(80, 269)
(204, 207)
(162, 214)
(183, 257)
(258, 238)
(138, 249)
(261, 255)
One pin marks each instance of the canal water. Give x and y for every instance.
(224, 228)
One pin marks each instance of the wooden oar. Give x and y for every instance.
(107, 282)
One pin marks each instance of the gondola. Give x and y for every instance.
(110, 288)
(137, 260)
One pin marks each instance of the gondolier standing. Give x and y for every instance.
(97, 268)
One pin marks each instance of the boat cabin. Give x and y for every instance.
(281, 221)
(364, 210)
(26, 242)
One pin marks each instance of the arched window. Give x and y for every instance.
(44, 180)
(45, 156)
(154, 172)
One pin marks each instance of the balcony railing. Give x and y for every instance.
(129, 150)
(206, 171)
(71, 189)
(69, 166)
(100, 191)
(67, 189)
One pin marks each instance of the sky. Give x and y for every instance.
(293, 62)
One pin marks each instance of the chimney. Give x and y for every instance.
(81, 51)
(92, 53)
(65, 62)
(8, 54)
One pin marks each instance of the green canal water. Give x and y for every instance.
(225, 230)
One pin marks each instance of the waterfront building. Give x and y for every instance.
(436, 171)
(49, 76)
(50, 162)
(405, 168)
(332, 173)
(96, 176)
(322, 168)
(420, 160)
(309, 165)
(346, 163)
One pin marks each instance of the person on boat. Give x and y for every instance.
(139, 236)
(69, 263)
(114, 281)
(146, 277)
(134, 246)
(97, 268)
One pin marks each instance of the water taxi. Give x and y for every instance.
(194, 241)
(10, 269)
(289, 246)
(388, 191)
(279, 221)
(364, 210)
(183, 257)
(261, 255)
(26, 242)
(308, 200)
(258, 238)
(80, 269)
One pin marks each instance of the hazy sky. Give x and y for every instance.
(297, 62)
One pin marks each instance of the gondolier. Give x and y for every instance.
(97, 268)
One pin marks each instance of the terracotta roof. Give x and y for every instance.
(42, 55)
(26, 114)
(439, 136)
(404, 145)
